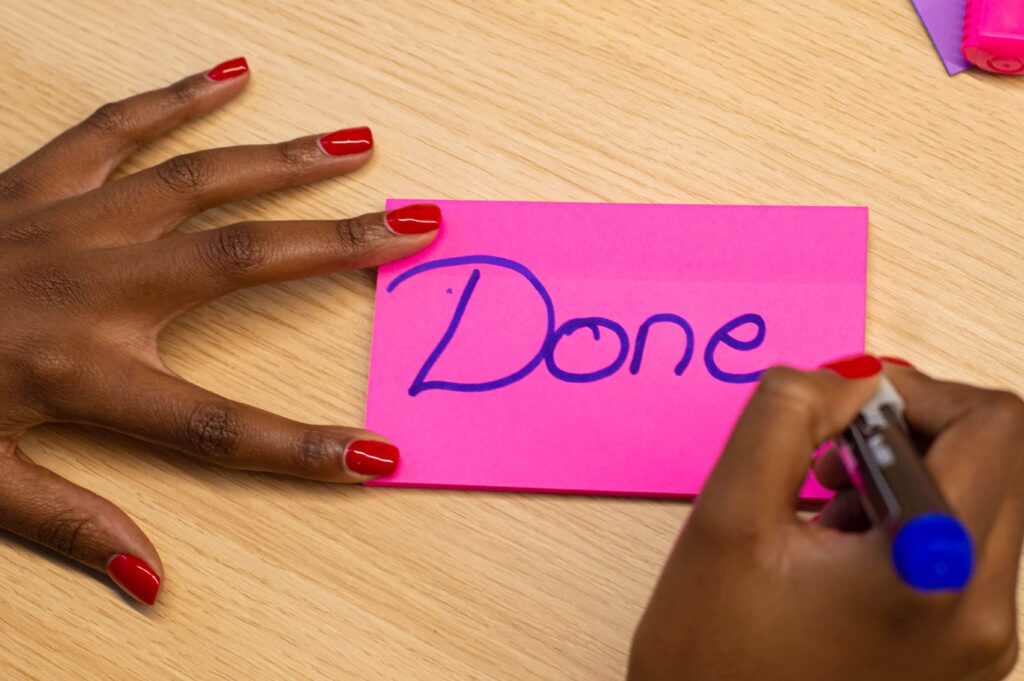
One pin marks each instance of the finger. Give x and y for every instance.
(83, 157)
(47, 509)
(844, 512)
(151, 203)
(977, 440)
(759, 475)
(932, 405)
(189, 270)
(158, 407)
(829, 470)
(987, 612)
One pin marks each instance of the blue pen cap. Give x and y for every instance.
(934, 552)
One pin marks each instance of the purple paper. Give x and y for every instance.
(944, 20)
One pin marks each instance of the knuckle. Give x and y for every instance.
(63, 531)
(52, 372)
(110, 119)
(212, 430)
(788, 389)
(315, 451)
(14, 188)
(29, 230)
(354, 233)
(296, 155)
(233, 250)
(185, 174)
(53, 287)
(185, 92)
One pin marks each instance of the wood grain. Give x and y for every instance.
(719, 101)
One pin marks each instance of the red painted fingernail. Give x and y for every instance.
(371, 458)
(232, 68)
(897, 360)
(419, 218)
(347, 141)
(859, 366)
(134, 576)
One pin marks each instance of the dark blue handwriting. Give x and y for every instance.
(545, 354)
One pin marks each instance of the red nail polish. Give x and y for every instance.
(135, 577)
(346, 142)
(419, 218)
(897, 360)
(859, 366)
(371, 458)
(232, 68)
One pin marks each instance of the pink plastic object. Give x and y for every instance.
(994, 35)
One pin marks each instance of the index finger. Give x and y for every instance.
(758, 477)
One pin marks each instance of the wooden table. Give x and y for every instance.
(717, 101)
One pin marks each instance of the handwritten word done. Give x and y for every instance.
(546, 354)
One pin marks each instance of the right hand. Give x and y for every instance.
(754, 593)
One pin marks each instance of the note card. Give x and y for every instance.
(944, 21)
(602, 348)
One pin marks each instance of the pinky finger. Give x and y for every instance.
(82, 157)
(43, 507)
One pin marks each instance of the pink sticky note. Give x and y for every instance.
(505, 356)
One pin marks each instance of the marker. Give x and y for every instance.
(994, 35)
(931, 549)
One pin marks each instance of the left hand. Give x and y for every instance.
(91, 272)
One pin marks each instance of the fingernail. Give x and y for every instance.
(232, 68)
(859, 366)
(134, 576)
(897, 360)
(371, 458)
(346, 142)
(419, 218)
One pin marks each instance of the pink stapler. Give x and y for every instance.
(994, 35)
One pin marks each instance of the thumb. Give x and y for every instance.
(758, 477)
(43, 507)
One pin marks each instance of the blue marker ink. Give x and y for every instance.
(594, 324)
(722, 336)
(420, 383)
(641, 341)
(553, 336)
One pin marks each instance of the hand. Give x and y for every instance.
(90, 273)
(752, 592)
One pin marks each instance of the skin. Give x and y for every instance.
(753, 592)
(91, 271)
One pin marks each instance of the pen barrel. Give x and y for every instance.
(931, 549)
(894, 484)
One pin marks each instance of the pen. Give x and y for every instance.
(931, 549)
